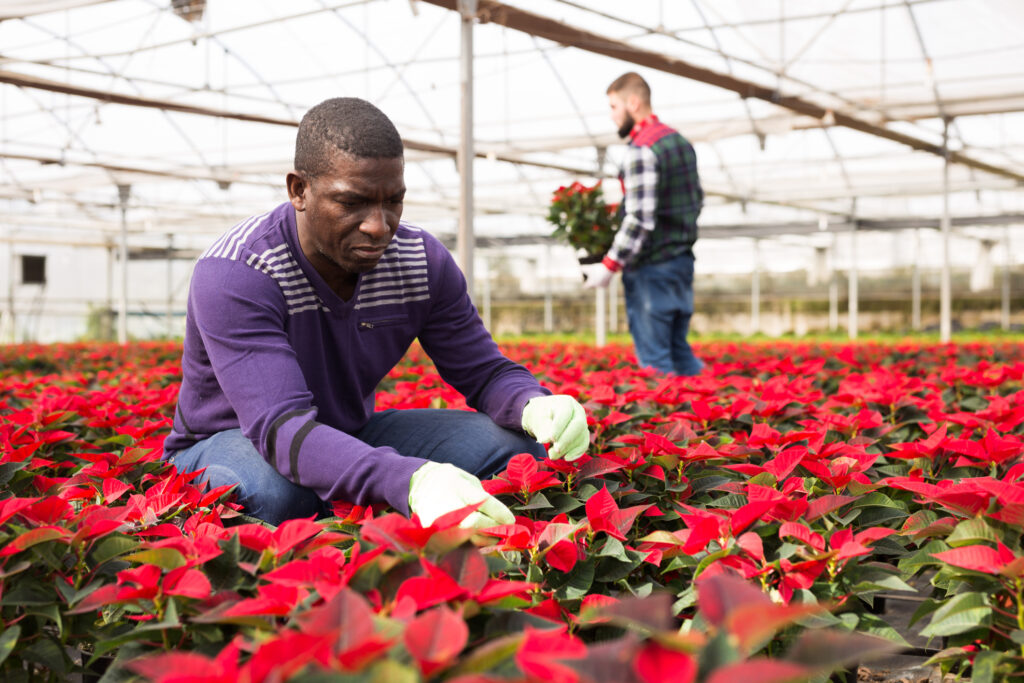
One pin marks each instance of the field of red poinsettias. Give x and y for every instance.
(738, 526)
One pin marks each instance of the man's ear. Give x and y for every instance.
(298, 185)
(633, 104)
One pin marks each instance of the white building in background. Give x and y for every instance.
(65, 294)
(53, 292)
(799, 112)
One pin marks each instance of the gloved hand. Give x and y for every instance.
(559, 420)
(437, 488)
(596, 275)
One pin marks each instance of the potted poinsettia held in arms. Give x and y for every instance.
(584, 220)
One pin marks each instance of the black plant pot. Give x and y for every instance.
(588, 259)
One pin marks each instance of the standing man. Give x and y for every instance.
(295, 315)
(653, 248)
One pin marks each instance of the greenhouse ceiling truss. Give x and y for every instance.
(797, 105)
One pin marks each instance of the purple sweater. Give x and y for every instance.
(270, 348)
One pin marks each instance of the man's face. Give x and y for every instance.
(621, 117)
(348, 216)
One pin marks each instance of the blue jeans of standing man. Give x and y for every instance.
(471, 441)
(659, 304)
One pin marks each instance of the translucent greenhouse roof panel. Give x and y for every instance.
(21, 9)
(796, 107)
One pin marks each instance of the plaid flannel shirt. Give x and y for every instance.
(662, 197)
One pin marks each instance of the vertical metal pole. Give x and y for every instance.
(755, 290)
(12, 330)
(487, 291)
(852, 311)
(599, 318)
(170, 285)
(123, 192)
(108, 314)
(464, 246)
(833, 288)
(915, 284)
(945, 289)
(549, 318)
(1005, 308)
(613, 304)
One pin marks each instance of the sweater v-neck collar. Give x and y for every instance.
(323, 289)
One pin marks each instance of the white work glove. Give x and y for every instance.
(596, 275)
(559, 420)
(436, 489)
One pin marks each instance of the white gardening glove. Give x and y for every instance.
(596, 275)
(559, 420)
(437, 488)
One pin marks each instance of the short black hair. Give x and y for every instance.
(344, 124)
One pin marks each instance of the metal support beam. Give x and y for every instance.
(945, 286)
(549, 318)
(107, 326)
(852, 295)
(487, 292)
(25, 81)
(170, 286)
(123, 193)
(863, 224)
(543, 27)
(613, 303)
(600, 326)
(755, 290)
(464, 246)
(833, 289)
(12, 333)
(1005, 308)
(915, 284)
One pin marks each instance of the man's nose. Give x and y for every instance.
(375, 224)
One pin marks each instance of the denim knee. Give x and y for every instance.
(230, 459)
(285, 501)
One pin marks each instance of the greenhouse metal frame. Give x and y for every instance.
(135, 131)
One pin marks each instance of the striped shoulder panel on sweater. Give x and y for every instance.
(277, 261)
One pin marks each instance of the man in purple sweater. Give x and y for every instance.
(294, 317)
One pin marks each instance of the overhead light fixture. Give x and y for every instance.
(189, 10)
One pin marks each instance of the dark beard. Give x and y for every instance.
(627, 127)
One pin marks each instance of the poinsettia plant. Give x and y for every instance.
(748, 524)
(583, 219)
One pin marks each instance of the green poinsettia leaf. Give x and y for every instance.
(971, 531)
(8, 641)
(874, 625)
(574, 584)
(165, 558)
(538, 501)
(962, 613)
(112, 546)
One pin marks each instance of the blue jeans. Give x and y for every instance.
(471, 441)
(659, 304)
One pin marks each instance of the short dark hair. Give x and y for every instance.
(631, 83)
(344, 124)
